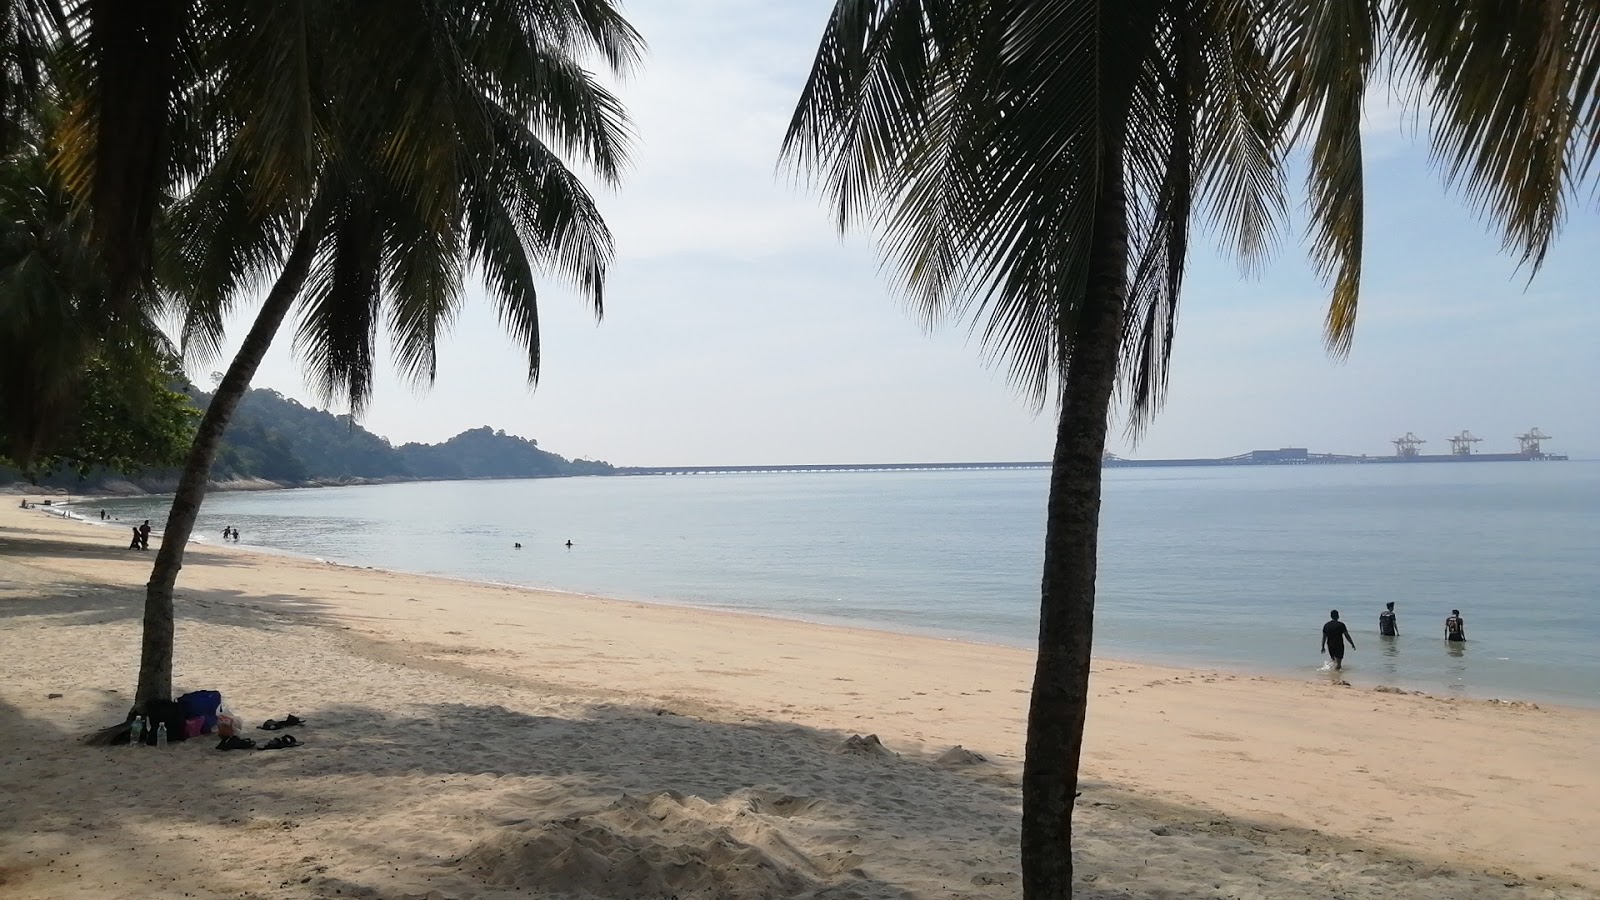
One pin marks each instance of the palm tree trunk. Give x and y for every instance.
(1066, 618)
(155, 661)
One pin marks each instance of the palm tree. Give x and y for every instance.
(373, 153)
(1035, 166)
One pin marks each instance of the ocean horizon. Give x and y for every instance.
(1227, 568)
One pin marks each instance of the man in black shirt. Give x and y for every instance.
(1334, 634)
(1388, 625)
(1455, 627)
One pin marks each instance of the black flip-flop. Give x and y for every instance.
(287, 722)
(234, 742)
(282, 742)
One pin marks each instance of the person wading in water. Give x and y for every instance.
(1334, 634)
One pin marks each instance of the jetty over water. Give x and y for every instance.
(826, 467)
(1283, 456)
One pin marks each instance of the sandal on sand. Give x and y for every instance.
(289, 722)
(282, 743)
(235, 742)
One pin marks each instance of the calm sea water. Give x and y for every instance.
(1233, 568)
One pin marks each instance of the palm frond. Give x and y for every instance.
(217, 244)
(269, 60)
(498, 251)
(337, 332)
(422, 281)
(1329, 53)
(554, 213)
(1515, 92)
(971, 136)
(135, 48)
(1213, 137)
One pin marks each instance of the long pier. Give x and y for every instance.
(826, 467)
(1285, 456)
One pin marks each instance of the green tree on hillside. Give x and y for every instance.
(127, 418)
(1037, 165)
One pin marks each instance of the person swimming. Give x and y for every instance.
(1455, 627)
(569, 543)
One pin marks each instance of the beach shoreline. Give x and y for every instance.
(1475, 795)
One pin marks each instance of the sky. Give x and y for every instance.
(741, 328)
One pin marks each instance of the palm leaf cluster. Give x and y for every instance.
(400, 142)
(1510, 90)
(974, 137)
(981, 137)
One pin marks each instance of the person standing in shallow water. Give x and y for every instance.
(1388, 625)
(1334, 634)
(1455, 627)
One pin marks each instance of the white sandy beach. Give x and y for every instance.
(468, 740)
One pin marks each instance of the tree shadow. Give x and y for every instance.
(611, 801)
(619, 801)
(29, 547)
(76, 603)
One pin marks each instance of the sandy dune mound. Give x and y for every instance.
(960, 756)
(865, 746)
(661, 845)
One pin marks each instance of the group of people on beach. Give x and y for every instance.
(141, 537)
(1335, 634)
(230, 533)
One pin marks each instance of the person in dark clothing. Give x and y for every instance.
(1334, 634)
(1455, 627)
(1388, 625)
(134, 544)
(144, 535)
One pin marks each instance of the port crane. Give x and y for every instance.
(1408, 446)
(1530, 442)
(1461, 444)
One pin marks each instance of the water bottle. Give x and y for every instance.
(161, 735)
(136, 731)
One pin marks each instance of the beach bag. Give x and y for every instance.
(201, 704)
(164, 712)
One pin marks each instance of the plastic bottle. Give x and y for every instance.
(161, 735)
(136, 731)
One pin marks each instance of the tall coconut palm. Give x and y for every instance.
(1035, 166)
(378, 153)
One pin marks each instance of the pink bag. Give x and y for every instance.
(193, 728)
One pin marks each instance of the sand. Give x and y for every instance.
(469, 740)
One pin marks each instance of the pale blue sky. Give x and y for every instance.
(740, 329)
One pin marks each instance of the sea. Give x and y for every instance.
(1225, 568)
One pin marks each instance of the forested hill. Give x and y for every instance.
(276, 438)
(273, 438)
